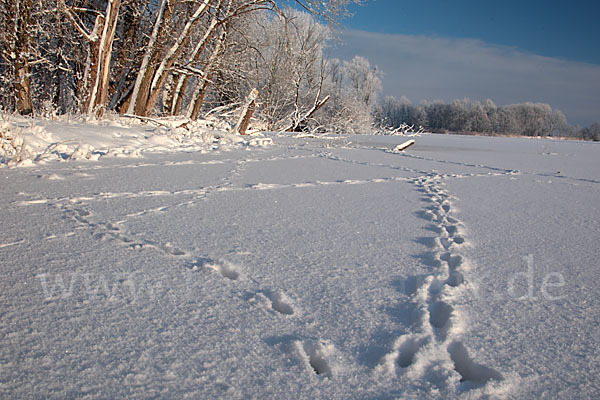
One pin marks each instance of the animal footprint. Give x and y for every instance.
(446, 243)
(277, 301)
(408, 348)
(111, 227)
(452, 230)
(468, 369)
(167, 248)
(122, 238)
(280, 302)
(316, 356)
(439, 314)
(225, 268)
(454, 262)
(452, 220)
(458, 239)
(455, 279)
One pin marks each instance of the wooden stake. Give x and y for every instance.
(246, 113)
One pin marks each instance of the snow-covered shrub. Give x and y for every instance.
(12, 145)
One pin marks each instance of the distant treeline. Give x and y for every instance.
(467, 116)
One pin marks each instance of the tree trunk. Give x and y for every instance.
(97, 72)
(137, 101)
(246, 113)
(174, 51)
(105, 53)
(183, 80)
(21, 12)
(198, 99)
(124, 63)
(23, 88)
(182, 83)
(200, 92)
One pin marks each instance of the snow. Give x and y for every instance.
(463, 267)
(47, 140)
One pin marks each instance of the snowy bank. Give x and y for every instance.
(27, 141)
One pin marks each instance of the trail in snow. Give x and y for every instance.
(442, 323)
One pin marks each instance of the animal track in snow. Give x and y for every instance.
(408, 348)
(224, 268)
(274, 300)
(439, 314)
(279, 302)
(468, 369)
(455, 279)
(108, 230)
(452, 220)
(451, 229)
(316, 356)
(403, 354)
(436, 294)
(454, 261)
(446, 242)
(458, 239)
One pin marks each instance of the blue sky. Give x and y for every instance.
(509, 51)
(565, 29)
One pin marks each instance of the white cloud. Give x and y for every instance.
(434, 68)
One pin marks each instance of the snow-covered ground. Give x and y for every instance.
(465, 267)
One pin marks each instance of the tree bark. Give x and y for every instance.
(105, 55)
(174, 51)
(195, 55)
(21, 12)
(23, 88)
(137, 100)
(97, 73)
(246, 113)
(199, 96)
(200, 92)
(91, 67)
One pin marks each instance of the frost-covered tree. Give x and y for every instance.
(354, 86)
(465, 116)
(365, 81)
(166, 56)
(202, 22)
(283, 58)
(478, 120)
(590, 133)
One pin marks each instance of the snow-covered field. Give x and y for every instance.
(465, 267)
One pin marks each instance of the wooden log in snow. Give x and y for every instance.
(405, 145)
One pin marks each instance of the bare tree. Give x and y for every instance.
(141, 56)
(16, 39)
(100, 46)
